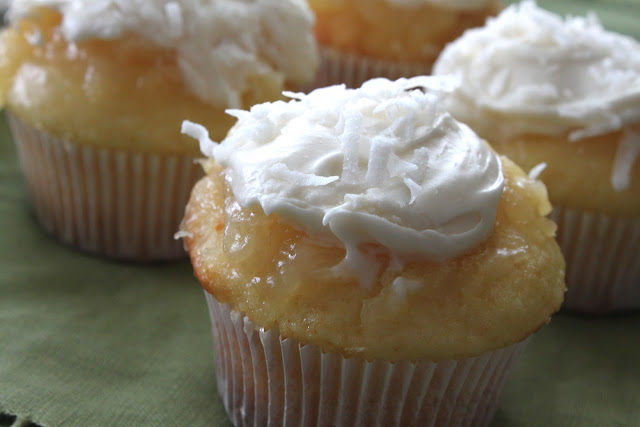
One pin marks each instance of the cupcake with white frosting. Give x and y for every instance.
(97, 90)
(367, 260)
(564, 94)
(363, 39)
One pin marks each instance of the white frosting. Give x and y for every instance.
(445, 4)
(220, 44)
(535, 72)
(382, 164)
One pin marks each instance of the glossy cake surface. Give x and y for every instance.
(124, 94)
(495, 295)
(381, 30)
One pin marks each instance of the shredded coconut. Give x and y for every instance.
(537, 170)
(383, 164)
(182, 234)
(220, 44)
(541, 73)
(627, 154)
(200, 133)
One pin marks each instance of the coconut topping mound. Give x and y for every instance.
(220, 44)
(383, 164)
(541, 73)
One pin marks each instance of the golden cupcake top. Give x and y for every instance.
(535, 72)
(221, 45)
(124, 74)
(407, 31)
(370, 222)
(383, 165)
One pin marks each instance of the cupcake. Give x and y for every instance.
(96, 91)
(564, 94)
(367, 260)
(363, 39)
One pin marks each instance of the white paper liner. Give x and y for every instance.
(352, 70)
(603, 260)
(265, 380)
(113, 203)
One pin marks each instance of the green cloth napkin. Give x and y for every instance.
(91, 342)
(616, 15)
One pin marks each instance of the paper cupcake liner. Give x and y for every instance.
(265, 380)
(603, 260)
(113, 203)
(352, 70)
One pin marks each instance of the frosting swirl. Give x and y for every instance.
(540, 73)
(220, 44)
(383, 164)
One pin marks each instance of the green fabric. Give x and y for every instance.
(616, 15)
(91, 342)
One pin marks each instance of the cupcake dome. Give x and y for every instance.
(368, 225)
(363, 39)
(97, 91)
(110, 54)
(566, 93)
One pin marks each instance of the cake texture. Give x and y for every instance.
(363, 246)
(363, 39)
(111, 81)
(564, 92)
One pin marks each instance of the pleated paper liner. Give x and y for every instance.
(352, 70)
(603, 260)
(112, 203)
(265, 380)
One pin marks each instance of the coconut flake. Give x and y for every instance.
(182, 235)
(350, 140)
(280, 170)
(175, 22)
(414, 188)
(200, 133)
(535, 171)
(379, 155)
(293, 95)
(626, 155)
(398, 167)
